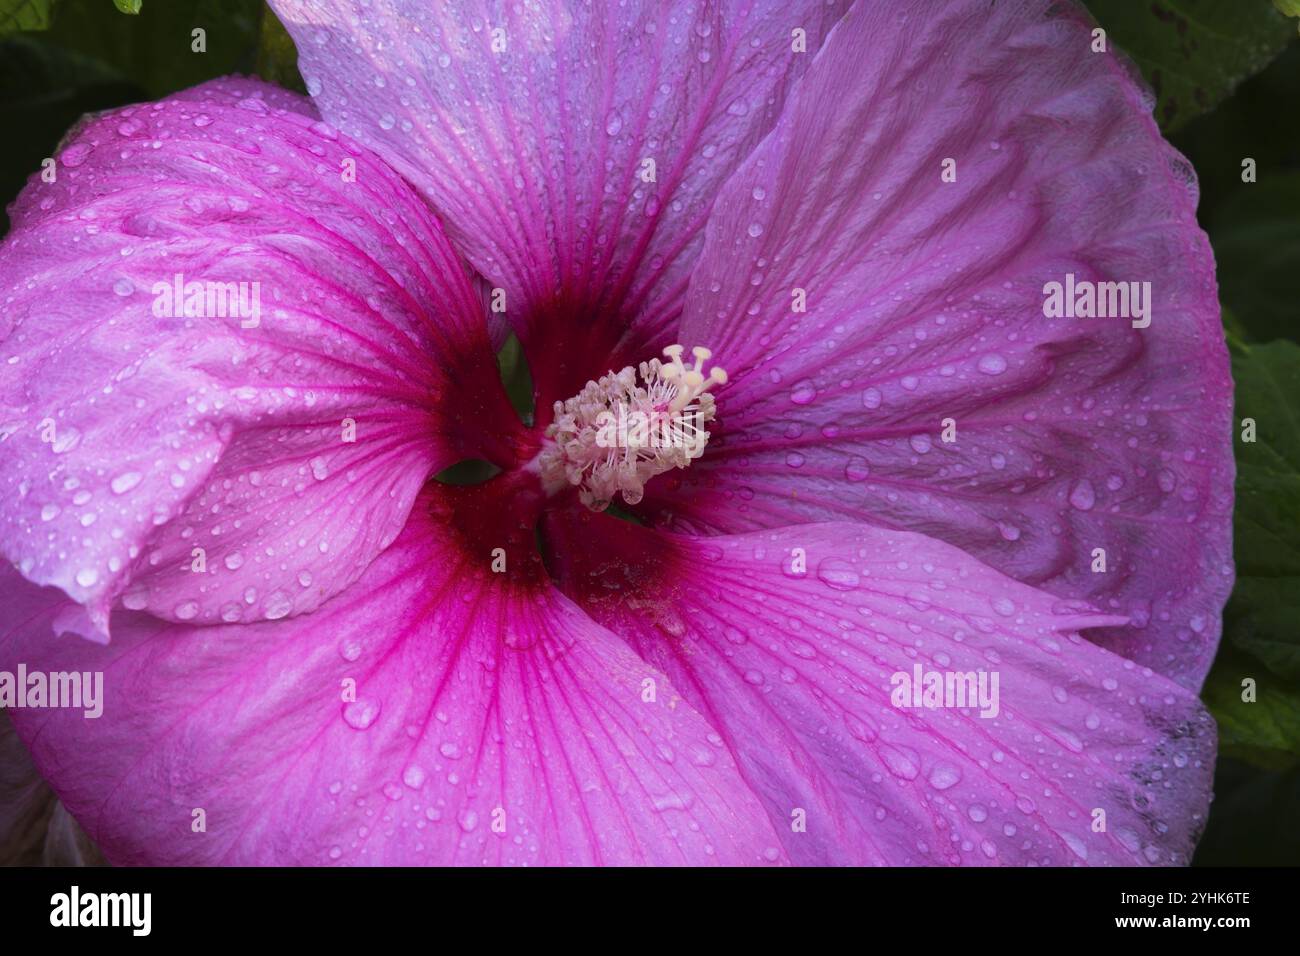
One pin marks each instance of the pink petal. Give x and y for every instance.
(480, 699)
(234, 90)
(131, 439)
(925, 303)
(533, 149)
(795, 669)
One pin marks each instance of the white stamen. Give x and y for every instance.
(617, 434)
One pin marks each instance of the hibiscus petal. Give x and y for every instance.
(925, 303)
(529, 127)
(789, 640)
(207, 460)
(493, 722)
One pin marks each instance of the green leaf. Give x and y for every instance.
(1257, 245)
(1263, 616)
(128, 6)
(1264, 732)
(154, 48)
(1290, 8)
(516, 378)
(25, 15)
(1252, 819)
(1193, 52)
(1261, 624)
(44, 90)
(277, 57)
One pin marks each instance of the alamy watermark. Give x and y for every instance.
(209, 300)
(932, 690)
(1084, 299)
(637, 430)
(55, 689)
(133, 911)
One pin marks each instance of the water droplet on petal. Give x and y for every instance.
(941, 778)
(838, 574)
(74, 156)
(900, 761)
(125, 482)
(413, 777)
(360, 714)
(803, 393)
(1082, 495)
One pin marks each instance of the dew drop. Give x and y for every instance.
(899, 761)
(360, 714)
(413, 777)
(942, 778)
(838, 574)
(125, 482)
(74, 156)
(277, 605)
(1082, 495)
(803, 393)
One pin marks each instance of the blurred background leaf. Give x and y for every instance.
(92, 57)
(1252, 819)
(153, 48)
(1264, 732)
(1194, 52)
(277, 58)
(1290, 8)
(1263, 616)
(1254, 227)
(1257, 245)
(25, 15)
(44, 89)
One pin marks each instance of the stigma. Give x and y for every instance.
(621, 431)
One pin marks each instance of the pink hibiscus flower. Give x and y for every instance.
(313, 653)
